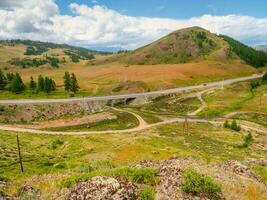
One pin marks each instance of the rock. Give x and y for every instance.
(239, 169)
(104, 188)
(4, 197)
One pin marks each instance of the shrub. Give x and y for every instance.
(196, 183)
(235, 126)
(254, 84)
(147, 193)
(247, 140)
(56, 143)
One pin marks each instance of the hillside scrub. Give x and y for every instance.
(196, 183)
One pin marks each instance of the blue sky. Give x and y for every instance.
(129, 24)
(179, 9)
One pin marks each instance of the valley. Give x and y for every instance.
(184, 117)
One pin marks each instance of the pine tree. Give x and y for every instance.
(41, 83)
(47, 85)
(17, 84)
(234, 126)
(9, 76)
(53, 85)
(74, 87)
(67, 81)
(3, 80)
(32, 84)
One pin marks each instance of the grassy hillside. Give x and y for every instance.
(27, 53)
(185, 57)
(182, 46)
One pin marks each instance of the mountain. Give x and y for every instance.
(191, 45)
(261, 48)
(27, 53)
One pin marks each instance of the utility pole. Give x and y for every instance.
(19, 154)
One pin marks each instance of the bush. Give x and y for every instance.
(56, 143)
(147, 193)
(247, 140)
(235, 126)
(196, 183)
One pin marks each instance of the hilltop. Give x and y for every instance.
(191, 45)
(185, 57)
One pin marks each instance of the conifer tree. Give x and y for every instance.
(41, 83)
(67, 81)
(17, 84)
(3, 80)
(32, 84)
(9, 76)
(74, 87)
(47, 85)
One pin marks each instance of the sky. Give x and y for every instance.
(129, 24)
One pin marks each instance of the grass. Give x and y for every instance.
(141, 176)
(237, 97)
(166, 106)
(261, 171)
(259, 118)
(147, 193)
(68, 159)
(123, 121)
(195, 183)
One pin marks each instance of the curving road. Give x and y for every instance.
(134, 95)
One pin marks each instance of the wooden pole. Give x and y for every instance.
(19, 154)
(185, 126)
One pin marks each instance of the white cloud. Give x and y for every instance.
(99, 26)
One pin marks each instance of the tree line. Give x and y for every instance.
(246, 53)
(13, 82)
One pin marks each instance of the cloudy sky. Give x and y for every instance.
(115, 24)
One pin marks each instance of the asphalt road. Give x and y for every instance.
(134, 95)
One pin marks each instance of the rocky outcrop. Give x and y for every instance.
(104, 188)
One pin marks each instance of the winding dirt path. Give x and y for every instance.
(245, 125)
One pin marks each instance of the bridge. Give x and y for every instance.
(127, 97)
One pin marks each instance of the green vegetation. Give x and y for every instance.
(11, 82)
(35, 62)
(261, 170)
(71, 83)
(178, 47)
(46, 84)
(123, 121)
(171, 105)
(147, 193)
(236, 97)
(196, 183)
(248, 139)
(234, 126)
(78, 55)
(248, 54)
(259, 118)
